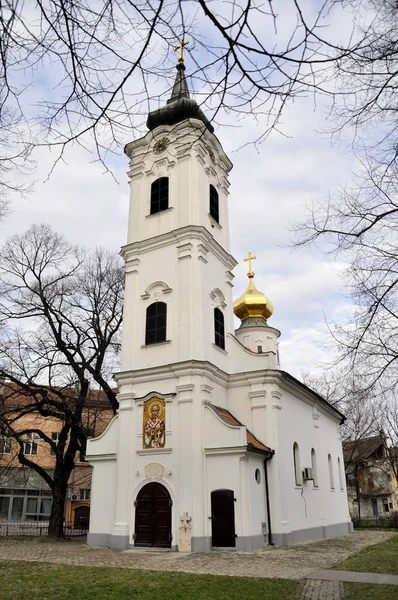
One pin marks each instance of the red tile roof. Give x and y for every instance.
(252, 442)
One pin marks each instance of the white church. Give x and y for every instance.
(214, 445)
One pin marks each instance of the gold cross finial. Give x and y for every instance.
(249, 258)
(180, 47)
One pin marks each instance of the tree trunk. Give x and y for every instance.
(56, 523)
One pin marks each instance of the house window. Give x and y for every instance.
(331, 478)
(385, 505)
(159, 195)
(55, 439)
(5, 443)
(214, 205)
(30, 446)
(296, 460)
(219, 330)
(340, 474)
(314, 469)
(25, 505)
(85, 494)
(155, 330)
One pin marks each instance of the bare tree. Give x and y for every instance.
(362, 425)
(248, 58)
(15, 158)
(61, 310)
(367, 80)
(360, 225)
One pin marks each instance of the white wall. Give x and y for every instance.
(310, 427)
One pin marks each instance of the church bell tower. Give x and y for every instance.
(178, 262)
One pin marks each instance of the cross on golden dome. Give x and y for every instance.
(253, 304)
(249, 258)
(180, 47)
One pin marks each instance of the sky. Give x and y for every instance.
(271, 188)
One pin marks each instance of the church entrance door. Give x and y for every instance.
(153, 517)
(223, 519)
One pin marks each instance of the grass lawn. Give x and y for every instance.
(366, 591)
(381, 558)
(43, 581)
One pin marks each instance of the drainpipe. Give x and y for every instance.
(269, 456)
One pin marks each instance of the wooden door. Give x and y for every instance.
(223, 519)
(153, 517)
(82, 517)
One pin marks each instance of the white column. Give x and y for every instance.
(126, 451)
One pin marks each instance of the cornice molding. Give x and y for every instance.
(190, 127)
(179, 237)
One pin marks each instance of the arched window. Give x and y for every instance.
(340, 474)
(297, 469)
(159, 195)
(155, 329)
(314, 469)
(214, 208)
(219, 329)
(331, 478)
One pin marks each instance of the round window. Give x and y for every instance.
(257, 476)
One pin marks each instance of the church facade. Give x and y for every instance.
(214, 445)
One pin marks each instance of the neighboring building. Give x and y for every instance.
(213, 445)
(371, 483)
(24, 495)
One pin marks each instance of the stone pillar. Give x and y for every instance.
(184, 536)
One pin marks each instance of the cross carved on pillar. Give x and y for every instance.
(185, 520)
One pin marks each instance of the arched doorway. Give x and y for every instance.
(223, 519)
(153, 517)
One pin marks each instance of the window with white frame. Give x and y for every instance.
(55, 439)
(297, 468)
(314, 469)
(331, 477)
(340, 473)
(5, 443)
(85, 494)
(31, 443)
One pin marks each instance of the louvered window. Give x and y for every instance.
(214, 205)
(156, 316)
(219, 330)
(159, 195)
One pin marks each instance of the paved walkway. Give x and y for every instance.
(295, 562)
(356, 577)
(322, 590)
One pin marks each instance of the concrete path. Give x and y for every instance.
(355, 577)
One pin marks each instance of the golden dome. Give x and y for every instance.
(252, 303)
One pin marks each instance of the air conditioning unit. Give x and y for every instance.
(75, 497)
(307, 474)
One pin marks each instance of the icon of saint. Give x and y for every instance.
(154, 429)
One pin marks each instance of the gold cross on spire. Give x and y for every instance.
(249, 258)
(180, 47)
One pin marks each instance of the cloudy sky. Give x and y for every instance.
(270, 188)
